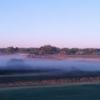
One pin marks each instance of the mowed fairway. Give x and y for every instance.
(82, 92)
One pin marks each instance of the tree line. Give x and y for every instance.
(50, 50)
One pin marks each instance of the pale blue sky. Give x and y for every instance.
(62, 23)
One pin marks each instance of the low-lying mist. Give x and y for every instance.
(20, 62)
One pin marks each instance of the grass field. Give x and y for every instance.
(81, 92)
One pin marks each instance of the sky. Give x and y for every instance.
(62, 23)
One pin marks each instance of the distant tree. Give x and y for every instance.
(74, 51)
(10, 50)
(35, 51)
(89, 51)
(48, 49)
(64, 51)
(16, 49)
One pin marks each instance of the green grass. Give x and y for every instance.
(82, 92)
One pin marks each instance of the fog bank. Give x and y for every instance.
(20, 62)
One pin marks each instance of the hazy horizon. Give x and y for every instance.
(61, 23)
(12, 46)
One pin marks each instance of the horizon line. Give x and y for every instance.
(50, 45)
